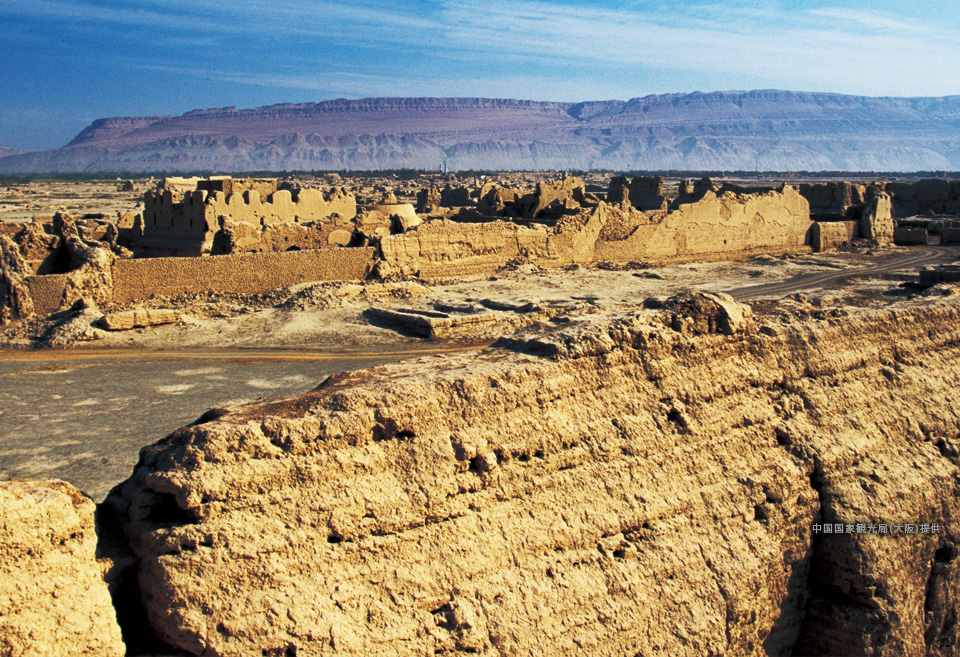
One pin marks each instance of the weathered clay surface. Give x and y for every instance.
(876, 218)
(711, 228)
(181, 220)
(91, 267)
(906, 236)
(717, 227)
(15, 299)
(80, 323)
(829, 235)
(448, 248)
(128, 319)
(610, 487)
(53, 600)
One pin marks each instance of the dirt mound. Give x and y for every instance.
(53, 599)
(641, 490)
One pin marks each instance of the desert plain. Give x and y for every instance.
(505, 414)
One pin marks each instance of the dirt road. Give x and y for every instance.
(912, 260)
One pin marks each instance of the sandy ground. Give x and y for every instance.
(21, 202)
(83, 415)
(332, 315)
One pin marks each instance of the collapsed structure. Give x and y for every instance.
(454, 230)
(227, 215)
(573, 478)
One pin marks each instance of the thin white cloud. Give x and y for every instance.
(255, 18)
(870, 20)
(353, 85)
(832, 49)
(86, 12)
(796, 50)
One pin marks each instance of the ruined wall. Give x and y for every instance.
(282, 206)
(228, 185)
(718, 228)
(831, 234)
(495, 199)
(448, 248)
(906, 236)
(552, 198)
(612, 487)
(186, 225)
(950, 236)
(241, 237)
(831, 199)
(15, 299)
(48, 292)
(137, 279)
(929, 196)
(876, 218)
(713, 228)
(175, 224)
(245, 273)
(644, 193)
(182, 185)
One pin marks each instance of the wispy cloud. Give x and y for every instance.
(88, 12)
(735, 37)
(831, 47)
(877, 22)
(253, 18)
(329, 84)
(525, 48)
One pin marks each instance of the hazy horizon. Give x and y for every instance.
(70, 62)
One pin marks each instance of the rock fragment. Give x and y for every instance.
(130, 319)
(705, 312)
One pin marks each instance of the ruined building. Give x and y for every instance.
(230, 215)
(557, 223)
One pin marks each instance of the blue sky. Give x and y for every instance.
(64, 63)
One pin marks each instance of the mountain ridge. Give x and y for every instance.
(726, 130)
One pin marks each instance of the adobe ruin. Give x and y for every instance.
(354, 234)
(230, 215)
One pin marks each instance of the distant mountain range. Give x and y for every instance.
(753, 130)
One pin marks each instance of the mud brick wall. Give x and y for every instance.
(47, 292)
(721, 227)
(248, 273)
(830, 235)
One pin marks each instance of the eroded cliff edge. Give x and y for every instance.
(639, 484)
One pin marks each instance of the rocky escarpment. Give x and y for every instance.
(734, 130)
(638, 484)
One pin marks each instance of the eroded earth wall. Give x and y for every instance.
(248, 273)
(831, 234)
(187, 225)
(711, 228)
(718, 228)
(618, 485)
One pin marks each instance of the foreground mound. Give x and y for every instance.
(615, 485)
(53, 599)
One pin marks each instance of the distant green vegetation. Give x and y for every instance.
(410, 174)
